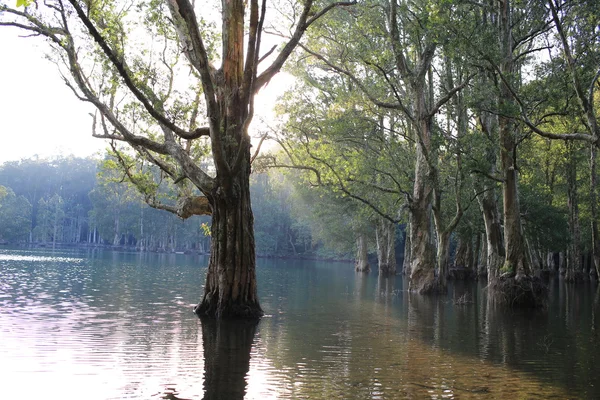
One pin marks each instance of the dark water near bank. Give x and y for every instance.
(120, 326)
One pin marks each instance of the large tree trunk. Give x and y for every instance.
(423, 254)
(231, 290)
(386, 250)
(493, 230)
(361, 264)
(515, 258)
(515, 287)
(594, 210)
(515, 261)
(442, 259)
(574, 254)
(479, 270)
(117, 237)
(463, 260)
(407, 247)
(485, 189)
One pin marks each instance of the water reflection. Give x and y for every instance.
(120, 326)
(227, 346)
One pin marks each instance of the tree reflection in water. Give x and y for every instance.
(227, 346)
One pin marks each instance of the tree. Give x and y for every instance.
(70, 177)
(389, 56)
(138, 88)
(15, 214)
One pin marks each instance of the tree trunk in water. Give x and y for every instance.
(230, 290)
(117, 238)
(479, 264)
(550, 263)
(486, 192)
(422, 266)
(465, 264)
(515, 261)
(423, 261)
(386, 251)
(362, 262)
(594, 211)
(516, 286)
(442, 259)
(574, 254)
(493, 230)
(461, 260)
(407, 246)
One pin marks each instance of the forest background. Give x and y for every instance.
(438, 115)
(70, 201)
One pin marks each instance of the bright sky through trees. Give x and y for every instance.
(38, 122)
(52, 121)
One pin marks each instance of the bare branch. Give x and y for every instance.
(124, 72)
(183, 10)
(267, 54)
(488, 175)
(440, 103)
(262, 139)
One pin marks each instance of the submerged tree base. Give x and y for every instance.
(575, 276)
(387, 269)
(545, 274)
(426, 282)
(366, 268)
(461, 274)
(213, 310)
(521, 292)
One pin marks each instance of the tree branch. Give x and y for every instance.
(123, 70)
(303, 23)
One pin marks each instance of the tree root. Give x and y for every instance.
(521, 292)
(212, 310)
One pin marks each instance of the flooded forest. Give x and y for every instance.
(445, 148)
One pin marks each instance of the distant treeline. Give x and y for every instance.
(69, 201)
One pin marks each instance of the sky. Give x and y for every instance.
(39, 114)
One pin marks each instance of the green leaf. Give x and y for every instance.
(24, 3)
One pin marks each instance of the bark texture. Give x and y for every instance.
(573, 272)
(422, 266)
(407, 247)
(386, 251)
(423, 253)
(594, 210)
(515, 261)
(231, 290)
(516, 286)
(361, 264)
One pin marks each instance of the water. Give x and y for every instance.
(102, 325)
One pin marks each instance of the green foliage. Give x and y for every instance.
(24, 3)
(15, 214)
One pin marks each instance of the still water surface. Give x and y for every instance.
(104, 325)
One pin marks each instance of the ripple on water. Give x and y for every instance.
(115, 329)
